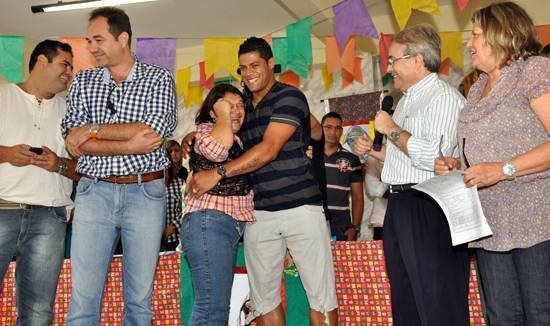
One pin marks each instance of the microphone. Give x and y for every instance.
(387, 104)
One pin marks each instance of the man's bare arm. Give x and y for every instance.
(275, 137)
(143, 142)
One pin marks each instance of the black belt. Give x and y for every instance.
(395, 189)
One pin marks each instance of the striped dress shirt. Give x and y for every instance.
(428, 111)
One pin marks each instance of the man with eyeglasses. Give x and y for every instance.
(287, 199)
(117, 117)
(35, 186)
(428, 276)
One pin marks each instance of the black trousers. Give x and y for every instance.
(428, 276)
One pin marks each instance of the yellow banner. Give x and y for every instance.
(222, 53)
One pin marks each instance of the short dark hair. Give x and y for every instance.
(213, 96)
(334, 115)
(50, 49)
(117, 19)
(256, 44)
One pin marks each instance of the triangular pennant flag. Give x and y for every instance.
(157, 51)
(194, 96)
(402, 9)
(383, 48)
(299, 55)
(327, 78)
(222, 53)
(347, 78)
(183, 77)
(82, 58)
(290, 78)
(11, 58)
(333, 58)
(451, 47)
(352, 17)
(462, 4)
(205, 82)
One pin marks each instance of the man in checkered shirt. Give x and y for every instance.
(117, 116)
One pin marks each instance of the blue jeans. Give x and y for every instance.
(37, 238)
(104, 213)
(209, 240)
(516, 285)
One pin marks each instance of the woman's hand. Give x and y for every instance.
(222, 108)
(484, 174)
(446, 164)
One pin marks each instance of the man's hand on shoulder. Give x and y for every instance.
(186, 144)
(17, 155)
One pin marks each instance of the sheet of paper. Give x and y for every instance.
(460, 204)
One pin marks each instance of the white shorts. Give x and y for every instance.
(303, 230)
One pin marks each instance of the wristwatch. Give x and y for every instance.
(63, 166)
(395, 134)
(94, 129)
(509, 171)
(221, 171)
(356, 228)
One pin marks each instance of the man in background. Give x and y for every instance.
(344, 177)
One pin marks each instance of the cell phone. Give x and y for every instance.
(36, 150)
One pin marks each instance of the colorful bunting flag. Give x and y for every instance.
(451, 47)
(445, 67)
(205, 82)
(183, 78)
(82, 58)
(157, 51)
(11, 58)
(222, 53)
(543, 32)
(194, 96)
(355, 74)
(462, 4)
(299, 51)
(383, 48)
(333, 58)
(352, 17)
(290, 78)
(328, 79)
(280, 50)
(402, 9)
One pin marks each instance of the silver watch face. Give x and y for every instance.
(509, 170)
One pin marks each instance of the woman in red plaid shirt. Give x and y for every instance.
(214, 222)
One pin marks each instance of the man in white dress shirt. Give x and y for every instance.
(428, 276)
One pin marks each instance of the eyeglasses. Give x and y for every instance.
(392, 60)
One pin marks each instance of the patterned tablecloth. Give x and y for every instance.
(362, 288)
